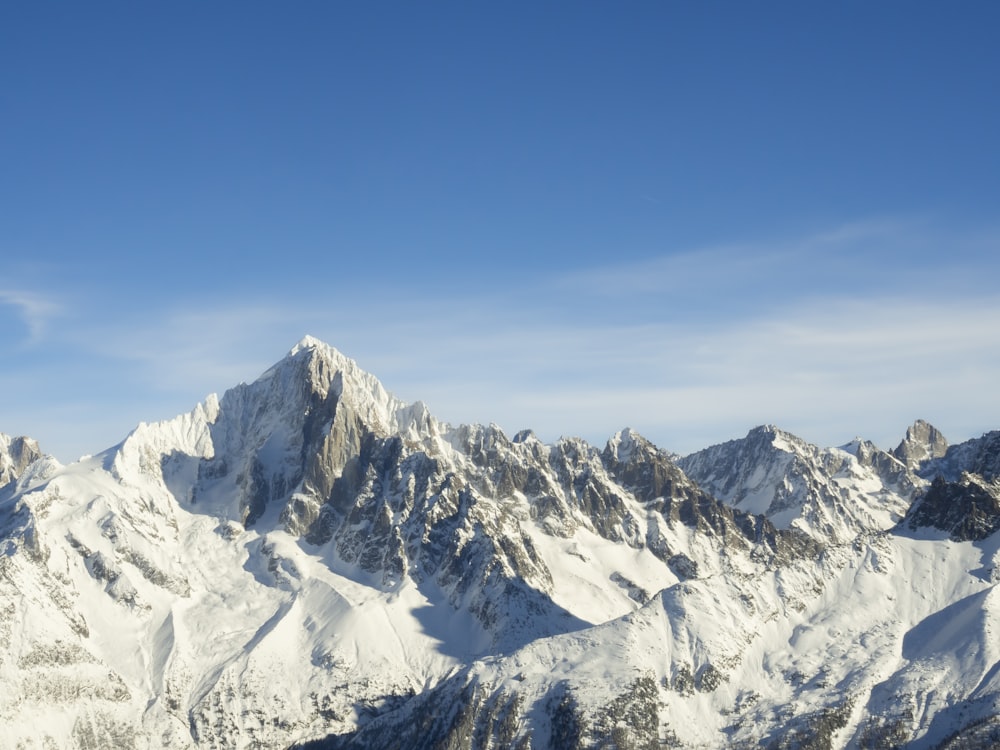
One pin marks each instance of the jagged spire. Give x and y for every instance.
(16, 454)
(923, 442)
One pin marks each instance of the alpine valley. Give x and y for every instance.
(307, 561)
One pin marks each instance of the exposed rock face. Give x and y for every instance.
(654, 478)
(16, 455)
(980, 456)
(922, 443)
(647, 471)
(465, 712)
(310, 559)
(964, 497)
(969, 509)
(831, 494)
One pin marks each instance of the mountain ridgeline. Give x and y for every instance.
(308, 561)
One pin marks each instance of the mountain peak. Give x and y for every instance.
(765, 431)
(307, 342)
(624, 443)
(263, 436)
(922, 443)
(796, 484)
(16, 454)
(314, 368)
(777, 438)
(315, 350)
(377, 578)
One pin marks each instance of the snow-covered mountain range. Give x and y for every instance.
(309, 561)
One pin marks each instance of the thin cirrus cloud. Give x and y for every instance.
(34, 310)
(750, 334)
(847, 364)
(865, 258)
(174, 350)
(830, 372)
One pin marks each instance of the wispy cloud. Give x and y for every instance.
(831, 372)
(34, 309)
(861, 255)
(175, 349)
(826, 360)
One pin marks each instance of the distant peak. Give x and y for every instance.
(921, 430)
(308, 342)
(923, 442)
(622, 438)
(334, 357)
(626, 443)
(16, 454)
(769, 431)
(626, 436)
(774, 437)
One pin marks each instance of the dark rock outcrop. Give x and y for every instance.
(969, 509)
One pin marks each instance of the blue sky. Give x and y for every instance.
(689, 218)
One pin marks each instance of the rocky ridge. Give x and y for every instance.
(16, 455)
(308, 559)
(831, 494)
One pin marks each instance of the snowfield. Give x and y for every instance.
(309, 561)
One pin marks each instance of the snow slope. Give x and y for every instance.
(309, 560)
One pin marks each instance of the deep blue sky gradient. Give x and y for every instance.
(187, 188)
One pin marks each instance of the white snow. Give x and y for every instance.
(138, 604)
